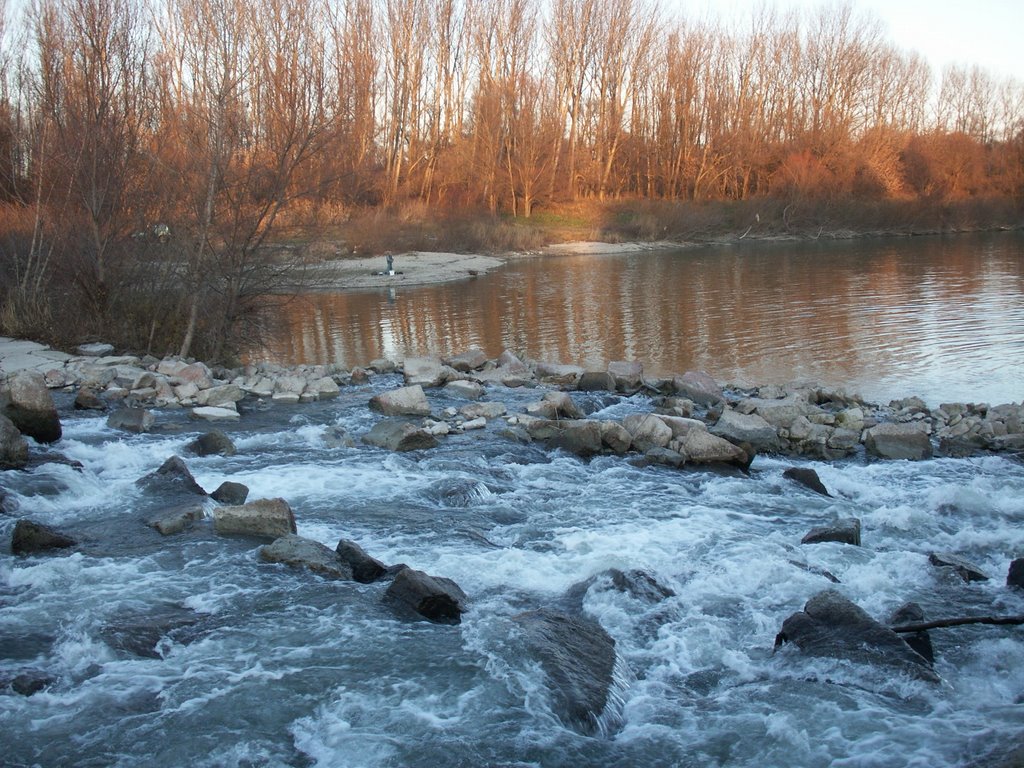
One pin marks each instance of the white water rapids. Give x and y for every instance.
(279, 667)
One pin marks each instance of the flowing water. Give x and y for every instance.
(937, 317)
(261, 665)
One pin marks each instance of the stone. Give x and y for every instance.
(616, 437)
(31, 682)
(648, 431)
(665, 457)
(176, 519)
(31, 538)
(365, 569)
(230, 493)
(832, 626)
(395, 435)
(212, 443)
(489, 410)
(95, 349)
(511, 363)
(962, 568)
(406, 401)
(844, 530)
(216, 413)
(478, 423)
(338, 437)
(13, 447)
(912, 613)
(699, 387)
(1015, 574)
(434, 598)
(468, 390)
(88, 400)
(470, 360)
(300, 552)
(582, 437)
(26, 401)
(382, 365)
(263, 518)
(173, 477)
(701, 447)
(147, 634)
(325, 388)
(565, 408)
(196, 373)
(596, 381)
(186, 392)
(806, 477)
(851, 418)
(557, 374)
(682, 426)
(424, 371)
(578, 659)
(746, 428)
(223, 395)
(170, 367)
(898, 441)
(628, 375)
(135, 420)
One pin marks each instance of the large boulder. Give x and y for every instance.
(136, 420)
(833, 627)
(596, 381)
(701, 447)
(845, 530)
(212, 443)
(215, 413)
(583, 437)
(26, 401)
(578, 659)
(467, 390)
(88, 400)
(220, 396)
(628, 375)
(746, 428)
(806, 477)
(406, 401)
(434, 598)
(1015, 574)
(30, 538)
(964, 569)
(470, 360)
(425, 371)
(13, 447)
(299, 552)
(616, 437)
(230, 493)
(898, 441)
(173, 477)
(698, 386)
(395, 435)
(648, 431)
(365, 569)
(264, 518)
(176, 519)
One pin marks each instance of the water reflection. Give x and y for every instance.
(939, 317)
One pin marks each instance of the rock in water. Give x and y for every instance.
(212, 443)
(435, 598)
(578, 659)
(13, 447)
(912, 613)
(1015, 574)
(230, 493)
(30, 538)
(300, 552)
(137, 420)
(26, 401)
(172, 478)
(365, 569)
(265, 518)
(845, 530)
(806, 477)
(396, 435)
(898, 441)
(833, 627)
(962, 568)
(176, 519)
(406, 401)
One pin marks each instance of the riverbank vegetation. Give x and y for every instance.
(164, 164)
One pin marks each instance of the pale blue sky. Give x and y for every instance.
(989, 33)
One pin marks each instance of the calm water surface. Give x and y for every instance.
(939, 317)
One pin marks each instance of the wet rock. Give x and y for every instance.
(628, 375)
(365, 569)
(216, 413)
(26, 401)
(435, 598)
(808, 478)
(13, 447)
(173, 477)
(701, 447)
(638, 584)
(31, 682)
(962, 568)
(324, 388)
(558, 375)
(681, 426)
(212, 443)
(382, 365)
(425, 371)
(468, 390)
(230, 493)
(845, 530)
(406, 401)
(699, 387)
(150, 635)
(833, 627)
(665, 457)
(264, 518)
(31, 538)
(596, 381)
(1015, 574)
(583, 437)
(921, 642)
(675, 407)
(299, 552)
(483, 410)
(578, 659)
(478, 423)
(615, 437)
(176, 519)
(470, 360)
(563, 405)
(746, 428)
(135, 420)
(395, 435)
(898, 441)
(88, 400)
(648, 431)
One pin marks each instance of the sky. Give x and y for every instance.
(989, 33)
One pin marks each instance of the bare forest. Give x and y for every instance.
(165, 164)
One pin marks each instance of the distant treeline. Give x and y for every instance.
(206, 123)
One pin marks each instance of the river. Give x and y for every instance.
(250, 664)
(937, 317)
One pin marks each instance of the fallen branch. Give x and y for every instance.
(958, 622)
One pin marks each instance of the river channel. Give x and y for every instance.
(938, 317)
